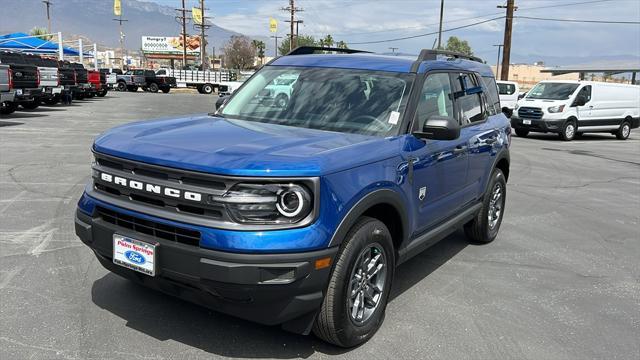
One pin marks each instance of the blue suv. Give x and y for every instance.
(295, 209)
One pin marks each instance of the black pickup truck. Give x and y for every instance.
(83, 88)
(154, 83)
(25, 79)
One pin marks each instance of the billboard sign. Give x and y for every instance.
(170, 45)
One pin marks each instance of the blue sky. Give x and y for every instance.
(357, 21)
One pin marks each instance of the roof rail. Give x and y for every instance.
(306, 50)
(429, 54)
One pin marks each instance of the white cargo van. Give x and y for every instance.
(572, 107)
(508, 91)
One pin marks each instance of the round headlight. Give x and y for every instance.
(292, 201)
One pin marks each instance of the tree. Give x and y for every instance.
(260, 46)
(303, 40)
(40, 33)
(239, 53)
(327, 41)
(341, 45)
(456, 45)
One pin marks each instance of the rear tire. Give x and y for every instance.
(122, 86)
(354, 305)
(484, 227)
(102, 93)
(7, 108)
(31, 105)
(624, 131)
(166, 90)
(207, 89)
(522, 132)
(568, 131)
(281, 101)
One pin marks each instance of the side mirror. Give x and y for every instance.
(439, 128)
(221, 101)
(580, 100)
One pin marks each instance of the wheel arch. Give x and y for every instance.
(385, 205)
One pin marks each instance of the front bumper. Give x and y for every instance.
(537, 125)
(269, 289)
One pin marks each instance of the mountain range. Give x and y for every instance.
(93, 19)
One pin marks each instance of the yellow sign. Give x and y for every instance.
(117, 8)
(273, 25)
(197, 15)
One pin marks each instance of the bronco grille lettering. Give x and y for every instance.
(151, 188)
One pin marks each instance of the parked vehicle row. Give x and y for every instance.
(31, 80)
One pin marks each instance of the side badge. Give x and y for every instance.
(423, 193)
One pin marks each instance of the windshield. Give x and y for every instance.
(343, 100)
(552, 91)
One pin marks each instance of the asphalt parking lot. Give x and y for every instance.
(561, 281)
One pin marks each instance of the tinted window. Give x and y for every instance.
(506, 89)
(436, 99)
(469, 104)
(491, 93)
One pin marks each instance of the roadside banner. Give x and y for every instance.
(273, 25)
(197, 15)
(117, 8)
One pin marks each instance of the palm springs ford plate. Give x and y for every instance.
(134, 254)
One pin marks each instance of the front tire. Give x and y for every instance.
(354, 306)
(122, 86)
(522, 132)
(153, 87)
(484, 227)
(624, 131)
(166, 90)
(8, 107)
(568, 131)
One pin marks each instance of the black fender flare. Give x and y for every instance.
(376, 197)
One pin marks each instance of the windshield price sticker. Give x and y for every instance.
(394, 117)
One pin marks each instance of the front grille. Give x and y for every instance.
(152, 228)
(530, 113)
(208, 186)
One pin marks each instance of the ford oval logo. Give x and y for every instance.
(135, 257)
(18, 74)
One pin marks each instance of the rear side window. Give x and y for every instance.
(506, 89)
(491, 93)
(436, 99)
(469, 102)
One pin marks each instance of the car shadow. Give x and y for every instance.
(9, 123)
(20, 114)
(44, 108)
(584, 137)
(164, 317)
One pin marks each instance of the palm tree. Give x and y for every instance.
(341, 45)
(40, 32)
(260, 48)
(327, 41)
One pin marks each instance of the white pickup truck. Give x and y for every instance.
(206, 82)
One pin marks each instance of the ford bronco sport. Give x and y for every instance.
(297, 214)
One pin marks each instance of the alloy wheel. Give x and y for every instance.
(367, 283)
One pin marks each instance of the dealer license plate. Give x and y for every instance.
(134, 254)
(526, 122)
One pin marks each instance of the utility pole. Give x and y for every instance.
(183, 19)
(499, 46)
(120, 20)
(440, 29)
(393, 50)
(203, 45)
(276, 37)
(292, 9)
(508, 25)
(48, 4)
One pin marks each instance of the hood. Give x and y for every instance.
(242, 148)
(541, 103)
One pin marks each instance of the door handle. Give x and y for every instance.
(460, 149)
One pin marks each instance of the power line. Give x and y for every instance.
(427, 34)
(580, 21)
